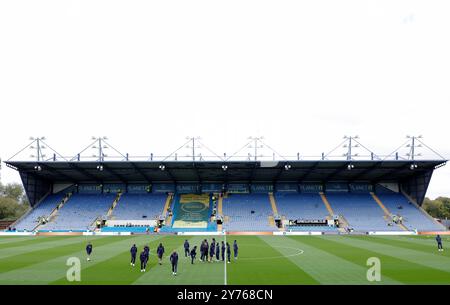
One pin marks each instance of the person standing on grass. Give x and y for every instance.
(235, 249)
(160, 252)
(144, 259)
(223, 250)
(193, 254)
(174, 261)
(186, 248)
(212, 250)
(202, 250)
(133, 252)
(439, 243)
(228, 253)
(89, 251)
(206, 250)
(217, 251)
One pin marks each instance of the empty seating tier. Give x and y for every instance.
(296, 206)
(413, 218)
(31, 220)
(361, 212)
(247, 212)
(80, 211)
(139, 206)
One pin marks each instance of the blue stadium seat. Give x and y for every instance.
(43, 209)
(139, 206)
(300, 206)
(361, 212)
(413, 218)
(80, 211)
(239, 207)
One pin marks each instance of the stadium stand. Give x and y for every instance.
(247, 212)
(307, 206)
(80, 212)
(139, 206)
(413, 218)
(301, 206)
(242, 212)
(361, 212)
(31, 220)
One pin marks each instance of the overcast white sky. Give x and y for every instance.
(149, 73)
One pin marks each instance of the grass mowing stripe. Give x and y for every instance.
(49, 269)
(200, 273)
(36, 249)
(325, 267)
(430, 260)
(428, 241)
(36, 266)
(14, 239)
(259, 263)
(31, 241)
(110, 264)
(394, 265)
(429, 249)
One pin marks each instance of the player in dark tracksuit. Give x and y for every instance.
(223, 251)
(186, 248)
(202, 250)
(439, 243)
(174, 261)
(144, 258)
(160, 252)
(133, 252)
(89, 251)
(206, 250)
(228, 252)
(235, 249)
(147, 254)
(193, 254)
(217, 252)
(212, 250)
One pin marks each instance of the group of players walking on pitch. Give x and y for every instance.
(211, 252)
(208, 253)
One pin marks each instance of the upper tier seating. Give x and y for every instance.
(413, 218)
(80, 211)
(139, 206)
(43, 209)
(239, 207)
(361, 212)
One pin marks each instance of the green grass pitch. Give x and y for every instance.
(262, 260)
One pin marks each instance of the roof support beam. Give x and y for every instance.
(312, 169)
(138, 170)
(84, 172)
(335, 173)
(368, 170)
(113, 173)
(46, 167)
